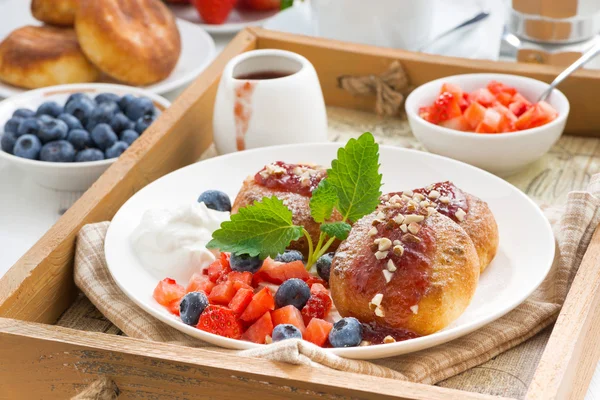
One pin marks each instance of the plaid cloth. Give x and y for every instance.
(573, 225)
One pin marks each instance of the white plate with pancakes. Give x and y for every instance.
(515, 272)
(197, 49)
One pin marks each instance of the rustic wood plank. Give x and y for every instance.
(332, 59)
(571, 355)
(52, 362)
(39, 287)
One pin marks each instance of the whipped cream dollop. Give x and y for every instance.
(172, 242)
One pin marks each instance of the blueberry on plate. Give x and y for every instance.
(245, 262)
(293, 292)
(125, 101)
(285, 331)
(12, 125)
(52, 130)
(129, 136)
(290, 256)
(191, 306)
(29, 126)
(116, 149)
(50, 108)
(106, 97)
(71, 121)
(45, 118)
(324, 266)
(28, 146)
(80, 139)
(81, 108)
(139, 107)
(102, 114)
(120, 122)
(7, 143)
(89, 155)
(103, 136)
(24, 113)
(78, 96)
(215, 200)
(58, 151)
(347, 332)
(143, 123)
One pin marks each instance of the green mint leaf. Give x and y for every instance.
(339, 230)
(264, 228)
(355, 175)
(286, 4)
(323, 201)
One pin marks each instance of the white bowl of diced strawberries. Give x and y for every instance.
(491, 121)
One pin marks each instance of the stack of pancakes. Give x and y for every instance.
(135, 42)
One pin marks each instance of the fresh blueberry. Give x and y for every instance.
(126, 101)
(7, 143)
(106, 97)
(81, 108)
(80, 139)
(286, 331)
(58, 151)
(215, 200)
(77, 96)
(103, 136)
(50, 108)
(347, 332)
(116, 150)
(120, 122)
(71, 121)
(244, 263)
(324, 266)
(45, 118)
(28, 146)
(129, 136)
(143, 123)
(191, 306)
(29, 126)
(289, 256)
(12, 125)
(52, 130)
(24, 113)
(293, 291)
(89, 155)
(102, 114)
(139, 107)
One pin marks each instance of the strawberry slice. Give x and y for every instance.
(221, 321)
(317, 306)
(240, 301)
(497, 88)
(490, 123)
(288, 315)
(214, 11)
(219, 268)
(222, 293)
(317, 331)
(200, 283)
(457, 123)
(482, 96)
(313, 280)
(277, 272)
(168, 294)
(261, 303)
(258, 331)
(474, 114)
(237, 285)
(244, 277)
(452, 88)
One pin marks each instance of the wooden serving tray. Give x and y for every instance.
(41, 360)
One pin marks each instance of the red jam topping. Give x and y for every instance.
(448, 202)
(375, 334)
(295, 178)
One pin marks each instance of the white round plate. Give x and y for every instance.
(237, 20)
(513, 275)
(197, 49)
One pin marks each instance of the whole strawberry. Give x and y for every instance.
(262, 5)
(214, 11)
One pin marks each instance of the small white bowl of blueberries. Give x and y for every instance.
(64, 137)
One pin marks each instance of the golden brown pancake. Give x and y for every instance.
(134, 41)
(54, 12)
(39, 56)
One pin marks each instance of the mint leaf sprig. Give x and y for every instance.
(352, 187)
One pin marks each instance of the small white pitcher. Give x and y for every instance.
(267, 98)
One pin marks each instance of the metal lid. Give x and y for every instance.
(553, 30)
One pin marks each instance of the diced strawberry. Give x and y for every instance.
(318, 287)
(167, 292)
(507, 120)
(316, 280)
(317, 331)
(200, 283)
(474, 114)
(464, 102)
(483, 96)
(244, 277)
(214, 11)
(452, 88)
(240, 301)
(457, 123)
(261, 302)
(173, 307)
(277, 272)
(519, 104)
(317, 306)
(538, 115)
(222, 293)
(220, 321)
(496, 88)
(490, 123)
(504, 98)
(259, 330)
(288, 315)
(237, 285)
(218, 268)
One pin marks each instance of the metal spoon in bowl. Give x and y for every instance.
(581, 61)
